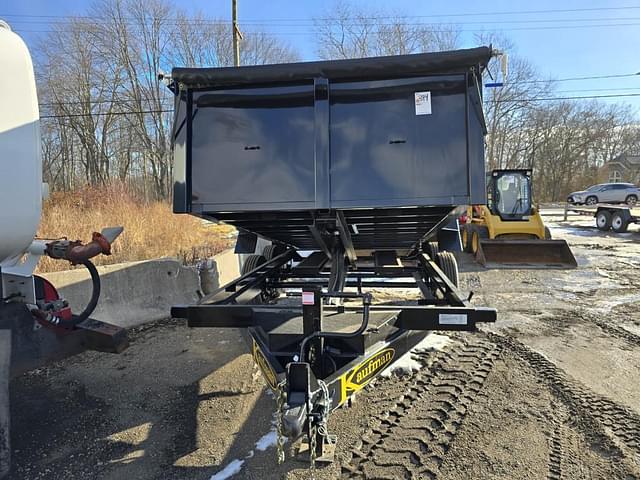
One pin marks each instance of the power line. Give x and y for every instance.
(127, 102)
(442, 15)
(570, 79)
(347, 23)
(99, 114)
(542, 99)
(380, 32)
(599, 90)
(596, 77)
(549, 99)
(90, 102)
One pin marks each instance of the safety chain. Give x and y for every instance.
(280, 438)
(312, 444)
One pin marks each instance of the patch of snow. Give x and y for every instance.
(579, 231)
(608, 305)
(407, 363)
(227, 472)
(266, 441)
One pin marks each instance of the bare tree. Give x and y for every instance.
(99, 74)
(347, 31)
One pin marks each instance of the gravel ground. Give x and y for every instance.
(552, 390)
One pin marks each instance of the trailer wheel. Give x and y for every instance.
(271, 251)
(603, 220)
(478, 233)
(431, 249)
(252, 262)
(466, 238)
(631, 200)
(448, 264)
(619, 224)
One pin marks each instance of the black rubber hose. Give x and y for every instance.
(95, 293)
(91, 306)
(366, 302)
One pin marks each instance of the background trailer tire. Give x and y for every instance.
(5, 359)
(615, 218)
(603, 220)
(619, 223)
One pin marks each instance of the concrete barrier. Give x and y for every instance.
(217, 271)
(140, 292)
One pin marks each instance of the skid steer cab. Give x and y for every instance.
(509, 232)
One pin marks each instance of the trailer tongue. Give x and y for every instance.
(354, 171)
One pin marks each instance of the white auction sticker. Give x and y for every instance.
(307, 298)
(423, 103)
(453, 319)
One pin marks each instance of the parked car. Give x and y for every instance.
(606, 193)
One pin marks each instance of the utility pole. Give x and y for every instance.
(237, 36)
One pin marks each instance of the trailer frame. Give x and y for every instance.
(315, 355)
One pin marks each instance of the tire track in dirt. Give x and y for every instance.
(618, 332)
(411, 438)
(615, 421)
(555, 452)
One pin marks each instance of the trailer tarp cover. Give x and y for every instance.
(376, 67)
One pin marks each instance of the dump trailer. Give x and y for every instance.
(36, 325)
(355, 172)
(509, 232)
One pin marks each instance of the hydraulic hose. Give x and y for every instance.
(366, 303)
(49, 317)
(95, 293)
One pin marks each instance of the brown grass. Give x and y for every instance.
(151, 229)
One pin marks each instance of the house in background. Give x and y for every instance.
(623, 168)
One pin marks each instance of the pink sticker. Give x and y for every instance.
(307, 298)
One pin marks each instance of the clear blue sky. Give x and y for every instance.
(557, 52)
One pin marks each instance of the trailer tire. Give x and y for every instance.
(466, 238)
(603, 220)
(270, 252)
(619, 223)
(252, 262)
(478, 233)
(631, 200)
(448, 264)
(432, 250)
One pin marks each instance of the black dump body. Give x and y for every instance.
(393, 144)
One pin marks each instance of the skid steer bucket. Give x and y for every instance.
(525, 254)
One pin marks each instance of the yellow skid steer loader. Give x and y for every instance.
(509, 232)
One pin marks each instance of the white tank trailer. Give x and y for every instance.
(20, 159)
(36, 325)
